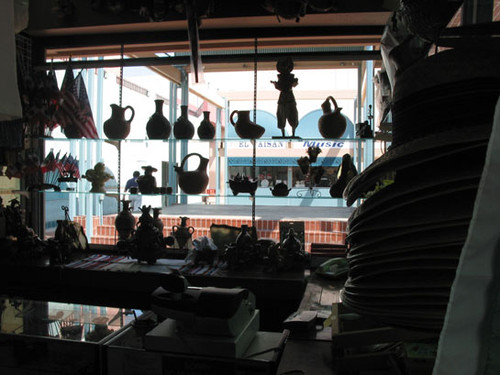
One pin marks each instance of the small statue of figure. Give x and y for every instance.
(287, 107)
(147, 182)
(98, 177)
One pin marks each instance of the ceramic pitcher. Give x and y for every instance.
(331, 124)
(117, 127)
(245, 128)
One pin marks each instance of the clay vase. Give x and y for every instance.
(291, 244)
(117, 127)
(158, 127)
(156, 219)
(182, 233)
(206, 130)
(345, 174)
(125, 221)
(331, 124)
(245, 128)
(183, 128)
(244, 238)
(193, 182)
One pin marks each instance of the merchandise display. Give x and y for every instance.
(183, 128)
(158, 127)
(332, 124)
(196, 181)
(117, 127)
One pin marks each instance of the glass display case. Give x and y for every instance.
(45, 337)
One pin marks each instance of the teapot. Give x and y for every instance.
(193, 182)
(280, 190)
(331, 124)
(116, 127)
(245, 128)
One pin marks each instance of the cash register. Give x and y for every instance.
(202, 321)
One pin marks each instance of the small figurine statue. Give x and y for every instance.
(98, 177)
(147, 182)
(287, 107)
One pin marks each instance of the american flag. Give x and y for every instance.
(87, 129)
(74, 114)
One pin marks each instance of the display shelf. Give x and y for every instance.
(293, 195)
(262, 139)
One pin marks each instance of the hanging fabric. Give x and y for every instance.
(75, 115)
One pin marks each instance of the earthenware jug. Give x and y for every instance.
(244, 238)
(158, 127)
(245, 128)
(183, 128)
(193, 182)
(206, 130)
(156, 219)
(125, 221)
(182, 233)
(117, 127)
(331, 124)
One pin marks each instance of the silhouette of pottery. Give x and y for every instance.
(117, 127)
(183, 128)
(158, 127)
(193, 182)
(245, 128)
(331, 124)
(125, 221)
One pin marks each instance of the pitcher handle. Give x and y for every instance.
(133, 113)
(231, 117)
(190, 230)
(189, 155)
(334, 103)
(175, 228)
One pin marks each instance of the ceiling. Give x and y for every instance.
(226, 25)
(229, 34)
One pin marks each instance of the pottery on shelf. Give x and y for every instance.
(280, 190)
(117, 127)
(206, 130)
(158, 127)
(242, 184)
(182, 233)
(125, 221)
(98, 177)
(346, 172)
(245, 128)
(147, 182)
(244, 238)
(331, 124)
(156, 219)
(183, 128)
(193, 182)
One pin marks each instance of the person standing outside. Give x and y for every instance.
(132, 187)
